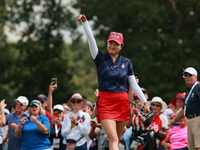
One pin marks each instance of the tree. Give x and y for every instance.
(161, 38)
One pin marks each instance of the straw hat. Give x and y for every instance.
(157, 99)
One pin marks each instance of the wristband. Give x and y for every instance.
(139, 115)
(76, 124)
(19, 127)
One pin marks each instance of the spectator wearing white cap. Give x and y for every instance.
(191, 109)
(14, 119)
(159, 123)
(55, 126)
(34, 129)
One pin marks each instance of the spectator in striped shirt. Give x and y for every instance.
(141, 126)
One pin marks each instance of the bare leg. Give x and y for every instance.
(120, 128)
(111, 131)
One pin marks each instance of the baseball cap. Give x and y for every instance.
(42, 97)
(90, 104)
(59, 107)
(144, 90)
(6, 111)
(23, 100)
(190, 70)
(115, 36)
(36, 103)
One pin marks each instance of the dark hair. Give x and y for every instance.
(11, 106)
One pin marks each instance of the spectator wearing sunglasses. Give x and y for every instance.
(56, 125)
(159, 123)
(44, 101)
(76, 124)
(66, 108)
(112, 104)
(191, 108)
(34, 129)
(14, 119)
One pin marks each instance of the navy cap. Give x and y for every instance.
(42, 97)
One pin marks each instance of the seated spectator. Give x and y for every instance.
(34, 129)
(76, 124)
(176, 139)
(159, 123)
(55, 127)
(169, 111)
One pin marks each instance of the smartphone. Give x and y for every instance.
(56, 114)
(54, 80)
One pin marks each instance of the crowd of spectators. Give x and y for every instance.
(73, 125)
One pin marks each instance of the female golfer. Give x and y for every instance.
(112, 103)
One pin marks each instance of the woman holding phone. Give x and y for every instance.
(112, 103)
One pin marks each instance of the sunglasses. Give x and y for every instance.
(185, 75)
(155, 105)
(76, 102)
(37, 103)
(67, 109)
(19, 104)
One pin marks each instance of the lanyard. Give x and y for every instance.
(186, 99)
(56, 129)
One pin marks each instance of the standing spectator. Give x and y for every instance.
(112, 104)
(159, 123)
(66, 108)
(140, 123)
(2, 121)
(5, 132)
(55, 127)
(191, 109)
(176, 139)
(43, 100)
(76, 124)
(34, 129)
(14, 119)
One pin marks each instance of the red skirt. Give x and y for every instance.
(113, 106)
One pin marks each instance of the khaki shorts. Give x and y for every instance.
(193, 130)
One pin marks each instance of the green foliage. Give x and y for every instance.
(161, 38)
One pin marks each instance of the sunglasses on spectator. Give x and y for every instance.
(67, 109)
(185, 75)
(59, 111)
(38, 103)
(76, 102)
(155, 105)
(17, 103)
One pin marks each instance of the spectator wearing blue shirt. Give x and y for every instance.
(14, 119)
(34, 129)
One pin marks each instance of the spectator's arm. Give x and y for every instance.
(85, 127)
(92, 133)
(50, 98)
(66, 127)
(2, 115)
(5, 139)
